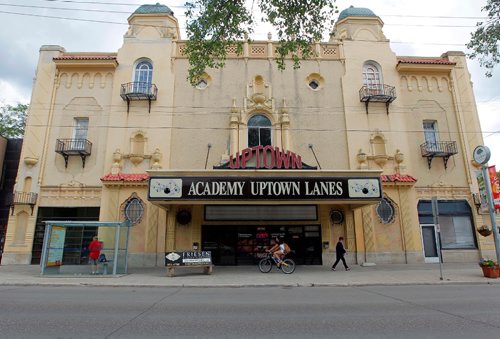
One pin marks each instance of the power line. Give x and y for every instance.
(64, 18)
(66, 9)
(104, 3)
(126, 24)
(433, 16)
(127, 12)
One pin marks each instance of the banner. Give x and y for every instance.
(56, 246)
(188, 258)
(483, 195)
(495, 186)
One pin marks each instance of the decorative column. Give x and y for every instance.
(152, 228)
(171, 224)
(233, 125)
(285, 127)
(411, 226)
(350, 235)
(369, 234)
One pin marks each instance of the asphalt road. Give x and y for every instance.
(422, 311)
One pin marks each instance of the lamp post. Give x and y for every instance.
(481, 155)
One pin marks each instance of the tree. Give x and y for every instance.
(484, 41)
(214, 25)
(13, 120)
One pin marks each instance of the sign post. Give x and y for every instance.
(482, 155)
(435, 213)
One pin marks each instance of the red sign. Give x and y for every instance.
(268, 157)
(495, 186)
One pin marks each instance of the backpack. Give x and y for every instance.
(287, 248)
(102, 257)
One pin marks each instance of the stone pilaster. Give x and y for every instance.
(369, 233)
(171, 225)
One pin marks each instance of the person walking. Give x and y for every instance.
(94, 249)
(340, 250)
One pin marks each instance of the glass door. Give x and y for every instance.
(429, 240)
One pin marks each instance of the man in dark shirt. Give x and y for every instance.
(340, 249)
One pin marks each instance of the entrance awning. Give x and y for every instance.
(166, 187)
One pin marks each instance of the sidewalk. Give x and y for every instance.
(250, 276)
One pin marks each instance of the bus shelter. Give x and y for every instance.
(65, 250)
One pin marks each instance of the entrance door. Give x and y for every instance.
(246, 245)
(429, 240)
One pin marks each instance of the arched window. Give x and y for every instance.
(143, 76)
(259, 131)
(372, 78)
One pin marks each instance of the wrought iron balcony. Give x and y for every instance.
(69, 147)
(22, 198)
(377, 93)
(440, 149)
(138, 91)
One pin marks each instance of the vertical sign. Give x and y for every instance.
(482, 191)
(495, 186)
(56, 246)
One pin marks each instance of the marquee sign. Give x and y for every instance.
(252, 188)
(265, 157)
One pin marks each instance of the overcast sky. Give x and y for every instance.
(416, 28)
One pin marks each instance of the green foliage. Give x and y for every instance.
(13, 120)
(484, 41)
(215, 25)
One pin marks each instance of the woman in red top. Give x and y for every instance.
(95, 248)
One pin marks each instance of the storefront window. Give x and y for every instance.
(455, 221)
(456, 232)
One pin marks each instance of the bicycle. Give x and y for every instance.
(287, 265)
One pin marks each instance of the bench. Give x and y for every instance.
(207, 269)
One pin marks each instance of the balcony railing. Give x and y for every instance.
(138, 91)
(377, 93)
(22, 198)
(69, 147)
(439, 149)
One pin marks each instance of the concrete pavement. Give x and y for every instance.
(250, 276)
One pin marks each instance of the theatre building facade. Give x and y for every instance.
(354, 143)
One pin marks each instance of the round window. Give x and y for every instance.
(337, 216)
(314, 84)
(134, 211)
(202, 84)
(385, 211)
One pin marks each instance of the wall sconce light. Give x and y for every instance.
(326, 244)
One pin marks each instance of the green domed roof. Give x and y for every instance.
(356, 11)
(154, 9)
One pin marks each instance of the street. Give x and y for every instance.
(347, 312)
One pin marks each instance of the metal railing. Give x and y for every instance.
(73, 146)
(380, 92)
(439, 148)
(23, 198)
(138, 91)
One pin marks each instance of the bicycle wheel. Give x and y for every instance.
(288, 266)
(265, 265)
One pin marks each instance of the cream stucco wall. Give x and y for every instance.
(184, 120)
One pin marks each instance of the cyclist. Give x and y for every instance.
(279, 250)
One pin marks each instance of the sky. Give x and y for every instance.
(415, 28)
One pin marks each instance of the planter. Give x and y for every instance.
(485, 232)
(491, 272)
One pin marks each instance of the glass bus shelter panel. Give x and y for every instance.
(65, 248)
